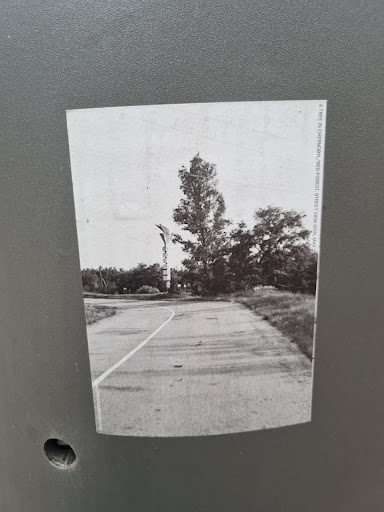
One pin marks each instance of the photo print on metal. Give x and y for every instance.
(199, 232)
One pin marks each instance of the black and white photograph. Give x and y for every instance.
(199, 234)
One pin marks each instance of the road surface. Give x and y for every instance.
(210, 367)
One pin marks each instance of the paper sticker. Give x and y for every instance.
(199, 234)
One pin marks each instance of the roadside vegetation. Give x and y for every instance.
(293, 314)
(147, 289)
(94, 313)
(225, 258)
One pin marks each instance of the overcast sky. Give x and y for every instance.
(125, 163)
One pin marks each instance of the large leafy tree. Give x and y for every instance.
(243, 270)
(277, 234)
(274, 252)
(201, 213)
(299, 273)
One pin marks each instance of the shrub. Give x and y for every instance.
(147, 289)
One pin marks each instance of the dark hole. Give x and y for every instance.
(59, 453)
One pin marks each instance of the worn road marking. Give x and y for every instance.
(99, 419)
(97, 381)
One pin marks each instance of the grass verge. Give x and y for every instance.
(293, 314)
(95, 313)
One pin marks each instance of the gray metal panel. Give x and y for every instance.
(65, 55)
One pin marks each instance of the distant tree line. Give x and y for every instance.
(142, 278)
(222, 258)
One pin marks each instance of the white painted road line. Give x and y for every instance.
(97, 381)
(99, 419)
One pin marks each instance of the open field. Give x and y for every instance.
(293, 314)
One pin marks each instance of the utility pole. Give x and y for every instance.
(166, 237)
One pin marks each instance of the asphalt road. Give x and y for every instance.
(213, 368)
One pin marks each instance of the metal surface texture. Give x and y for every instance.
(76, 54)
